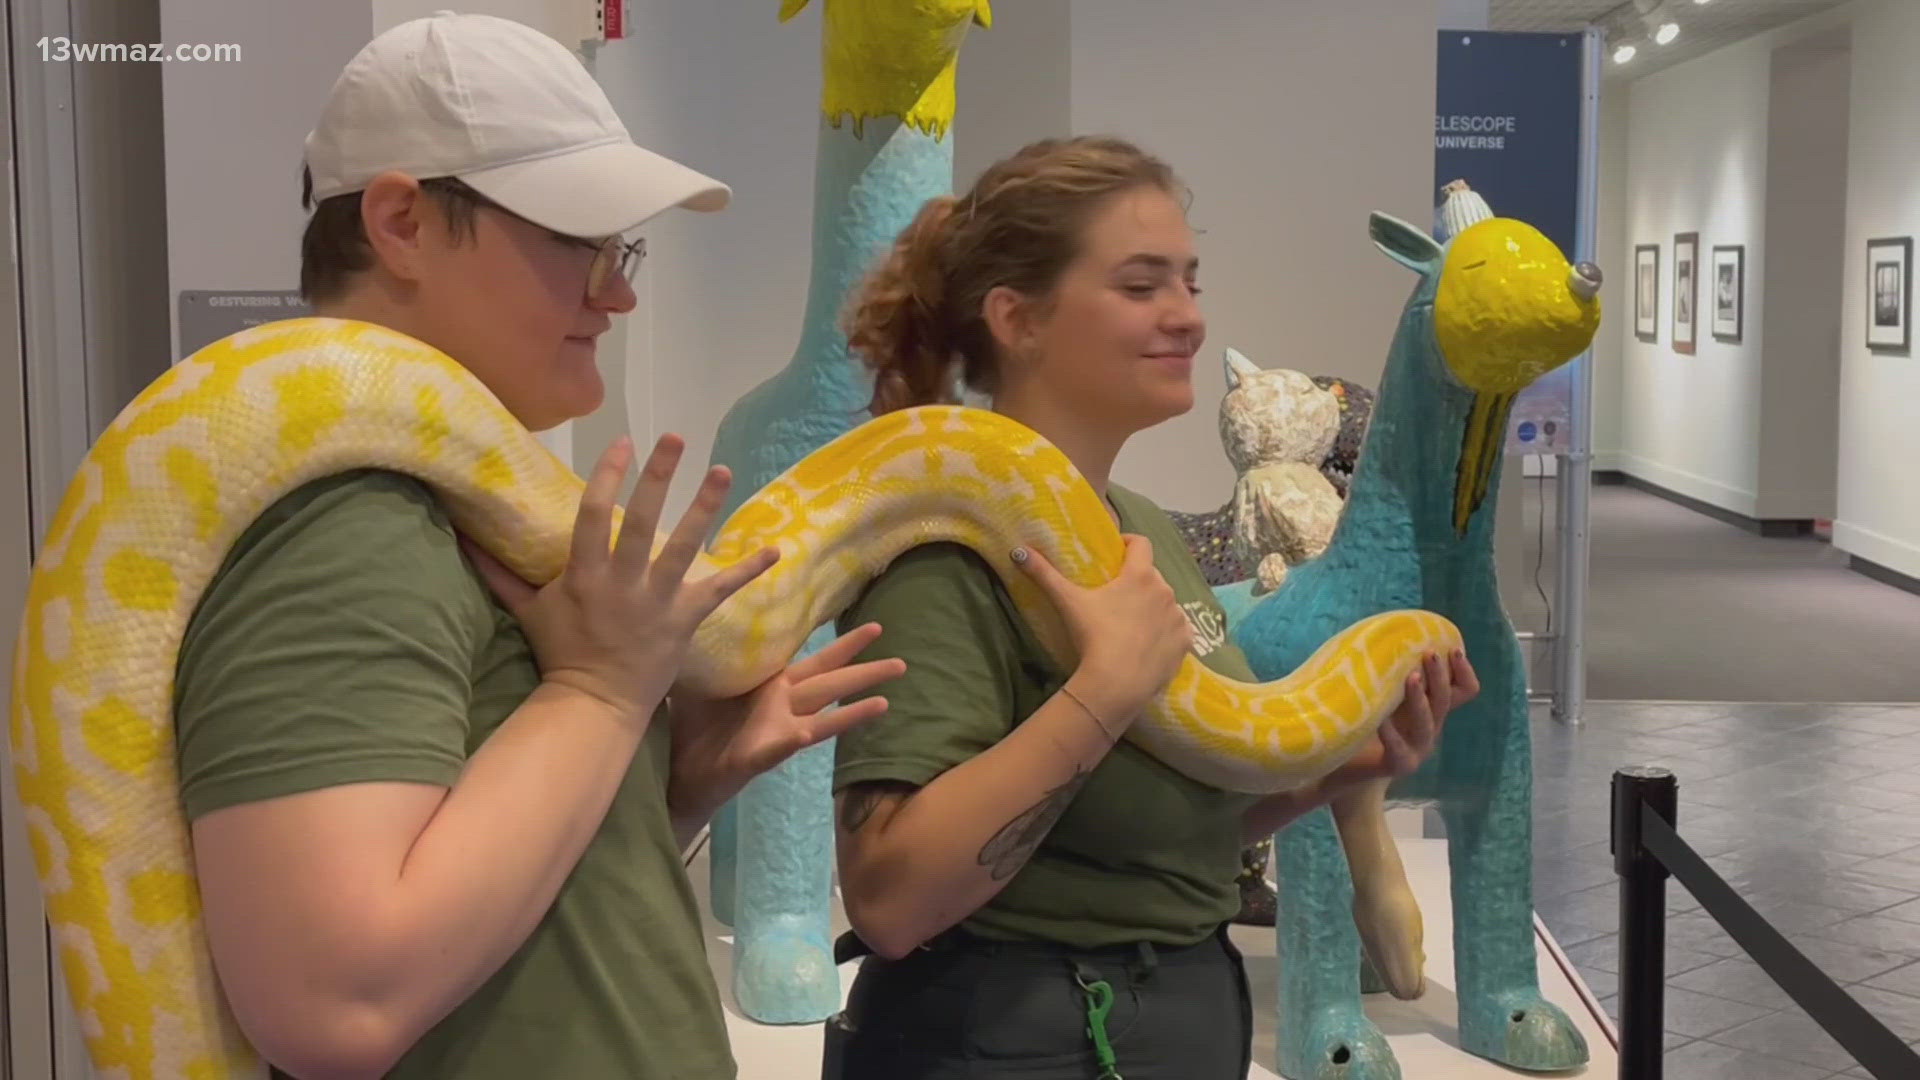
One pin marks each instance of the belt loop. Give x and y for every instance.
(1149, 960)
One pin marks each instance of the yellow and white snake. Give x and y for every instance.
(218, 438)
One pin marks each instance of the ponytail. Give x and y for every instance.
(900, 321)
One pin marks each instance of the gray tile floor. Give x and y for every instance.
(1812, 812)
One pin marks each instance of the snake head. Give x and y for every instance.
(893, 57)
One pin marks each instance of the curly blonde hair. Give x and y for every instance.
(918, 313)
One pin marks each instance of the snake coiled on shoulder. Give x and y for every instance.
(218, 438)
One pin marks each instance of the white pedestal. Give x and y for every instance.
(1421, 1032)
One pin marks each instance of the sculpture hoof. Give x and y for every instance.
(1523, 1031)
(1342, 1044)
(785, 978)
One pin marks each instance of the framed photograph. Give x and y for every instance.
(1686, 289)
(1729, 291)
(1890, 293)
(1646, 292)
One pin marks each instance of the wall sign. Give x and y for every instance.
(204, 316)
(1508, 123)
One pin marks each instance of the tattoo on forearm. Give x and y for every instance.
(858, 805)
(1009, 848)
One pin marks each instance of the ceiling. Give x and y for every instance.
(1703, 27)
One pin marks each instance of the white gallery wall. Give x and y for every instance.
(1281, 192)
(1797, 304)
(1291, 122)
(1696, 163)
(1879, 499)
(732, 91)
(1744, 146)
(234, 133)
(1801, 144)
(1615, 259)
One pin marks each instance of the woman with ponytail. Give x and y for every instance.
(1041, 898)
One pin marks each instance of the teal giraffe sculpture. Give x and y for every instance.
(1489, 315)
(884, 149)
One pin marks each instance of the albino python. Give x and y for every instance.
(218, 438)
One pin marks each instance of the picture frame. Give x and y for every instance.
(1890, 293)
(1729, 290)
(1686, 292)
(1646, 293)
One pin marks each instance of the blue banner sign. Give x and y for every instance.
(1508, 123)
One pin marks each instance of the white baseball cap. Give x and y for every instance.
(508, 110)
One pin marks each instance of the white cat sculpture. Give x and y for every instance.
(1277, 427)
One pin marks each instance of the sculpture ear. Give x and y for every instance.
(982, 14)
(790, 8)
(1404, 243)
(1238, 367)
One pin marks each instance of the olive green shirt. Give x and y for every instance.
(1143, 853)
(346, 639)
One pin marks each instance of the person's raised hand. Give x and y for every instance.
(616, 623)
(719, 745)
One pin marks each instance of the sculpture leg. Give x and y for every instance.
(783, 970)
(1503, 1016)
(1323, 1032)
(723, 860)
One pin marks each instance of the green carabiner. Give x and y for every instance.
(1099, 1003)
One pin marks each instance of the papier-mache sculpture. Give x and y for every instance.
(1270, 401)
(1495, 307)
(1279, 427)
(1291, 439)
(884, 148)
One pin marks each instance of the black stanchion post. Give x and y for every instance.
(1643, 918)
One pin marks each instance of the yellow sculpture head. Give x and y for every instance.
(1510, 307)
(895, 58)
(1507, 308)
(909, 12)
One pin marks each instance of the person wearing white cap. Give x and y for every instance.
(438, 815)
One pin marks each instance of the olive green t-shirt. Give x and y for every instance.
(347, 639)
(1143, 853)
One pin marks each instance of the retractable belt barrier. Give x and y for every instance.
(1646, 849)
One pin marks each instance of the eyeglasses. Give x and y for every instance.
(611, 256)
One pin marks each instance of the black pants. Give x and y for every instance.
(966, 1008)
